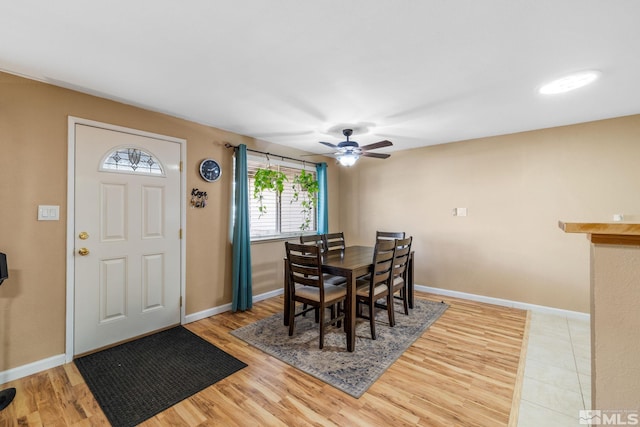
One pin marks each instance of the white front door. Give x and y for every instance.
(127, 236)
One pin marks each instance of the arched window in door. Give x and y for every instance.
(132, 160)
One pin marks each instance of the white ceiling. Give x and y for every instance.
(296, 72)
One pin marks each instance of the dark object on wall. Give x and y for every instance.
(4, 270)
(6, 396)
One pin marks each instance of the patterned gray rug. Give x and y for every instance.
(354, 372)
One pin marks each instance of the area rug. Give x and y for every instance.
(353, 372)
(139, 379)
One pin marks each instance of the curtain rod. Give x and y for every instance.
(270, 154)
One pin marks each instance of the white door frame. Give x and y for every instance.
(71, 174)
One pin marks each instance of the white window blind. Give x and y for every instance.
(283, 217)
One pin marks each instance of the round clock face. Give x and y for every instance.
(210, 170)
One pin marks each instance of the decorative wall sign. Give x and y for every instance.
(198, 198)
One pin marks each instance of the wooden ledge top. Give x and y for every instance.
(619, 228)
(614, 233)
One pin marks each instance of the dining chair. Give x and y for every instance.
(377, 285)
(398, 283)
(391, 235)
(334, 242)
(318, 239)
(329, 279)
(306, 285)
(312, 239)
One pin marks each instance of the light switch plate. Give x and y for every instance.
(48, 213)
(459, 211)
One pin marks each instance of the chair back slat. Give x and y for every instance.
(299, 268)
(312, 239)
(334, 242)
(389, 235)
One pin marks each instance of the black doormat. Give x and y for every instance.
(139, 379)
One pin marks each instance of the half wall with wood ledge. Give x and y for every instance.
(615, 313)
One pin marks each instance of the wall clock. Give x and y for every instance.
(210, 170)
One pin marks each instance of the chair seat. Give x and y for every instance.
(398, 280)
(330, 279)
(331, 292)
(362, 288)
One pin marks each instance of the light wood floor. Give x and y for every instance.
(461, 372)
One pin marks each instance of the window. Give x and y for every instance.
(131, 160)
(282, 217)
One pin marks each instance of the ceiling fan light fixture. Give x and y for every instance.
(348, 159)
(348, 152)
(569, 83)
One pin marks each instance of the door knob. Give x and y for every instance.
(83, 235)
(83, 251)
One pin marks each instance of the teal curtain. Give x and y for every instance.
(242, 293)
(323, 208)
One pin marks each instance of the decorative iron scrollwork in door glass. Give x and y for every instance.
(132, 160)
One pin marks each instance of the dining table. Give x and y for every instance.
(350, 263)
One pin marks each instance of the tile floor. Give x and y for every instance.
(557, 376)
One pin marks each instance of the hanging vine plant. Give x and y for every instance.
(305, 188)
(267, 180)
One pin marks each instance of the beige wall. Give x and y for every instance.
(516, 188)
(33, 165)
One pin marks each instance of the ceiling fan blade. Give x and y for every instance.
(317, 154)
(328, 144)
(378, 144)
(376, 155)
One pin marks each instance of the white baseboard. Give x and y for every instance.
(206, 313)
(506, 303)
(31, 368)
(227, 307)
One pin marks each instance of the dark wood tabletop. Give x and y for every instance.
(352, 258)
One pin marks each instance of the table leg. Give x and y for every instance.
(350, 315)
(287, 302)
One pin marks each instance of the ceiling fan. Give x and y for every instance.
(347, 152)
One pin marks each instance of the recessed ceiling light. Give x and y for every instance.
(570, 82)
